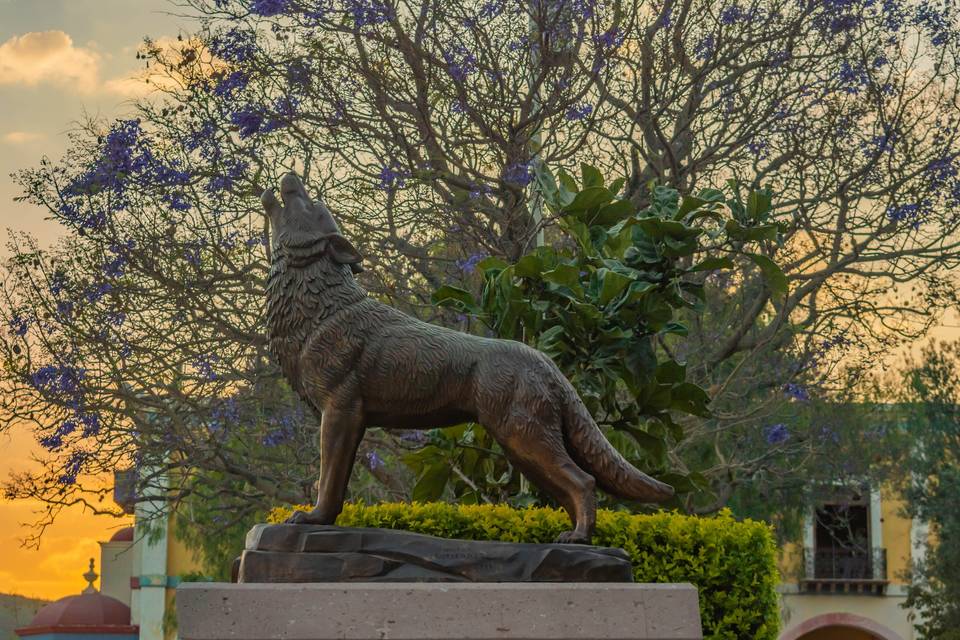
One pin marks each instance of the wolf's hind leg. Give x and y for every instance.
(341, 430)
(542, 457)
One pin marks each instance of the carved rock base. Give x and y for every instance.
(293, 553)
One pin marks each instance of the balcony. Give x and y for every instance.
(844, 571)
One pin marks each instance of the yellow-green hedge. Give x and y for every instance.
(731, 563)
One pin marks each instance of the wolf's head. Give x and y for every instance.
(299, 222)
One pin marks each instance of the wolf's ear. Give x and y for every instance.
(343, 252)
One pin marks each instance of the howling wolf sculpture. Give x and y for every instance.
(360, 363)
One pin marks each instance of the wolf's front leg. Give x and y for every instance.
(341, 430)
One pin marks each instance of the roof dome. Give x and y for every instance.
(82, 610)
(91, 612)
(123, 535)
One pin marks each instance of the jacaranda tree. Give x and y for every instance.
(138, 339)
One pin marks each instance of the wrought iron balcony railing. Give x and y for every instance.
(845, 570)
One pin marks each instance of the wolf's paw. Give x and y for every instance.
(573, 537)
(309, 517)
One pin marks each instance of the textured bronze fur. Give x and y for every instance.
(361, 363)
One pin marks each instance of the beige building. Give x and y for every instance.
(846, 579)
(142, 568)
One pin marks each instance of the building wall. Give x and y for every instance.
(839, 633)
(181, 560)
(116, 568)
(797, 608)
(896, 538)
(885, 610)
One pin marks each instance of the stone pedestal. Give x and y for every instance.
(438, 611)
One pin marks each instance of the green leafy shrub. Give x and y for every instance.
(731, 563)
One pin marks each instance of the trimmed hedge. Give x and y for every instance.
(732, 564)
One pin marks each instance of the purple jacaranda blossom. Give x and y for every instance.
(579, 111)
(608, 40)
(477, 191)
(19, 325)
(416, 436)
(59, 380)
(374, 461)
(298, 74)
(116, 318)
(73, 466)
(97, 291)
(65, 309)
(704, 49)
(204, 366)
(90, 423)
(234, 45)
(460, 62)
(268, 8)
(941, 170)
(197, 138)
(734, 14)
(520, 173)
(469, 264)
(231, 84)
(776, 434)
(284, 428)
(758, 148)
(392, 177)
(911, 213)
(58, 283)
(366, 13)
(796, 392)
(248, 120)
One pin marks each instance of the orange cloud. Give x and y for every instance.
(20, 137)
(143, 82)
(48, 57)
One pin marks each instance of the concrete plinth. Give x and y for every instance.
(438, 611)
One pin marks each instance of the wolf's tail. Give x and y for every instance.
(594, 453)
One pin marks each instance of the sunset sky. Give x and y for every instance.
(58, 60)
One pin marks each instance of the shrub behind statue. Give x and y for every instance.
(360, 363)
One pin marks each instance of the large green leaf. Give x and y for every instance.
(566, 182)
(758, 204)
(450, 296)
(690, 203)
(591, 176)
(589, 198)
(772, 274)
(492, 262)
(736, 231)
(690, 398)
(660, 228)
(432, 482)
(671, 371)
(612, 284)
(529, 266)
(712, 264)
(565, 275)
(612, 213)
(616, 186)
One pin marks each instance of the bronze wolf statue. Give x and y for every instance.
(360, 363)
